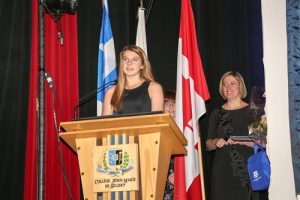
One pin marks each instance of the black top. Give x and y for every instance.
(229, 178)
(136, 100)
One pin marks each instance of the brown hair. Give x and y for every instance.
(145, 73)
(170, 95)
(239, 78)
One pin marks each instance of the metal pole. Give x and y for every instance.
(41, 132)
(141, 4)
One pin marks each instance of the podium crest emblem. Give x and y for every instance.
(115, 162)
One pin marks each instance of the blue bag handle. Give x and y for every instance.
(258, 148)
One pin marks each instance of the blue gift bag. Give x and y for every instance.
(259, 169)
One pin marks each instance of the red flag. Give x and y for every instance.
(192, 92)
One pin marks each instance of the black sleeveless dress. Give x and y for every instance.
(136, 100)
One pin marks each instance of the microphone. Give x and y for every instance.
(49, 80)
(88, 97)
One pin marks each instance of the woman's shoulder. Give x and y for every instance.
(155, 89)
(111, 90)
(214, 111)
(218, 112)
(154, 85)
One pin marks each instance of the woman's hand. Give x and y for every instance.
(213, 144)
(220, 142)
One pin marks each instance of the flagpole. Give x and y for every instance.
(141, 4)
(201, 167)
(41, 107)
(141, 40)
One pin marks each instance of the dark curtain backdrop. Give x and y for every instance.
(229, 37)
(15, 33)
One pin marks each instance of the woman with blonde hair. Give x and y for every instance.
(229, 175)
(136, 90)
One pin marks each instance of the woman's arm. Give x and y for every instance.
(107, 108)
(213, 144)
(157, 96)
(245, 143)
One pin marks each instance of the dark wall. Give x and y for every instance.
(15, 33)
(229, 38)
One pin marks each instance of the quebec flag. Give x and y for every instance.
(107, 68)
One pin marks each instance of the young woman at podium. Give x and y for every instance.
(136, 90)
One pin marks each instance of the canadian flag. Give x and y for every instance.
(191, 94)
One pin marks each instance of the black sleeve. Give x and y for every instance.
(212, 126)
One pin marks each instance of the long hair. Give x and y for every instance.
(145, 73)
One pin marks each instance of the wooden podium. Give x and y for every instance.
(157, 136)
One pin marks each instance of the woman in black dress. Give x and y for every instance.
(229, 170)
(136, 91)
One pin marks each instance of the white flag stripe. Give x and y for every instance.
(141, 39)
(99, 105)
(185, 67)
(109, 59)
(200, 106)
(179, 112)
(193, 170)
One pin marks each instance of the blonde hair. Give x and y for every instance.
(145, 73)
(239, 78)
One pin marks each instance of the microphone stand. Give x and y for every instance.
(41, 96)
(90, 95)
(41, 113)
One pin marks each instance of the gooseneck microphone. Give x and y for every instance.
(90, 95)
